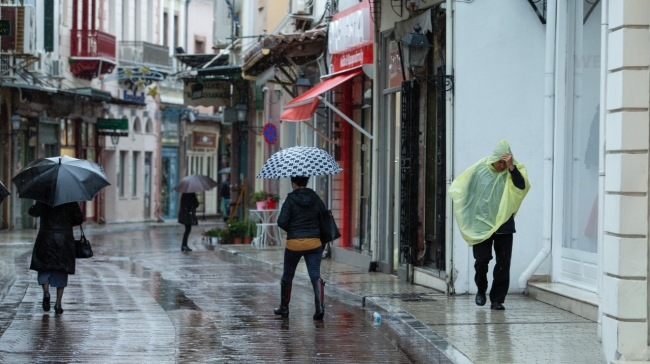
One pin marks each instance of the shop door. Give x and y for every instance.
(169, 179)
(389, 160)
(204, 163)
(579, 253)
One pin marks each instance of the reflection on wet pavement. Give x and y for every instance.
(141, 300)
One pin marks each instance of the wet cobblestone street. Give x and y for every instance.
(141, 300)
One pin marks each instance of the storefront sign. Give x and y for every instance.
(204, 140)
(112, 127)
(113, 124)
(214, 93)
(133, 96)
(350, 38)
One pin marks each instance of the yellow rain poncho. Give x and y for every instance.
(484, 199)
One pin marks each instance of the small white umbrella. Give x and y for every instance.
(299, 161)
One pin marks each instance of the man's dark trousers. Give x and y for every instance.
(483, 254)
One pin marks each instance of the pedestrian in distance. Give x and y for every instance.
(300, 218)
(224, 193)
(486, 199)
(187, 216)
(54, 250)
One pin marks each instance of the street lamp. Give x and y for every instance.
(302, 85)
(16, 121)
(415, 48)
(242, 111)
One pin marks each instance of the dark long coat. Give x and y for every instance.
(187, 210)
(54, 246)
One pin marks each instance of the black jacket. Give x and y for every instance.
(54, 246)
(187, 210)
(300, 214)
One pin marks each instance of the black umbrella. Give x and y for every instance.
(195, 183)
(60, 180)
(4, 192)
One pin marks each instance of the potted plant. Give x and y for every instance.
(251, 231)
(224, 235)
(213, 235)
(237, 230)
(260, 198)
(272, 202)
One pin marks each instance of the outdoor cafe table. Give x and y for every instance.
(267, 227)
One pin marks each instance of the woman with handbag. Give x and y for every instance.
(187, 216)
(54, 250)
(300, 218)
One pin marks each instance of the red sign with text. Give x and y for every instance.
(350, 38)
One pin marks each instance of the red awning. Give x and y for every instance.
(303, 107)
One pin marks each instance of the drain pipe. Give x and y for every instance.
(549, 119)
(449, 150)
(604, 32)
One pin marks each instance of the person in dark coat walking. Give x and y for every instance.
(187, 216)
(300, 218)
(54, 250)
(224, 192)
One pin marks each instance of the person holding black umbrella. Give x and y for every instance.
(54, 250)
(57, 184)
(187, 216)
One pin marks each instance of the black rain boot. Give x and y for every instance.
(319, 298)
(285, 297)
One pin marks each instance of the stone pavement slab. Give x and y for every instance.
(528, 331)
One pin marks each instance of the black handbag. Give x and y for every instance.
(328, 229)
(82, 247)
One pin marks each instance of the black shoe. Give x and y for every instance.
(285, 297)
(480, 298)
(497, 306)
(58, 310)
(185, 248)
(46, 301)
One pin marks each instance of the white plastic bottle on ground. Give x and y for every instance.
(376, 318)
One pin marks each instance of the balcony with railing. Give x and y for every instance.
(145, 54)
(92, 53)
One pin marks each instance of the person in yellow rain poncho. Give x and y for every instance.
(486, 198)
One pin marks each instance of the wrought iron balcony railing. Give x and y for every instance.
(93, 44)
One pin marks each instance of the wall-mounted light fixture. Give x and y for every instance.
(414, 48)
(242, 111)
(302, 85)
(16, 122)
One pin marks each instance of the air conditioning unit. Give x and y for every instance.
(301, 7)
(22, 39)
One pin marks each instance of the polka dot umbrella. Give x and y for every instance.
(299, 161)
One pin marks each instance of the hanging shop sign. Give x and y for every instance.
(213, 93)
(113, 127)
(350, 38)
(204, 140)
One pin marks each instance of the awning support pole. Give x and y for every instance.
(320, 133)
(345, 117)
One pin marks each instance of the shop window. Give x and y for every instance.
(67, 137)
(148, 128)
(137, 126)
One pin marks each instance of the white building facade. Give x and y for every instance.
(568, 87)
